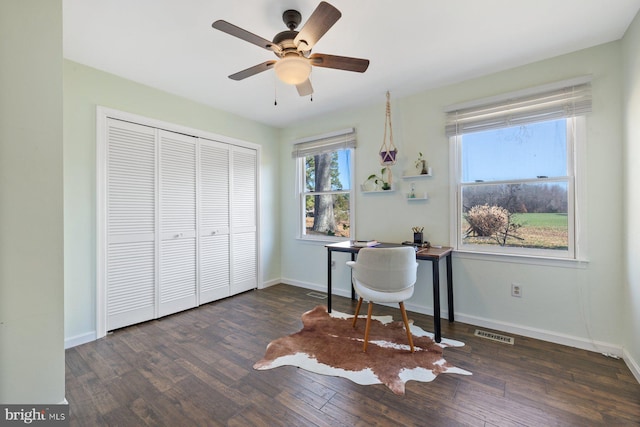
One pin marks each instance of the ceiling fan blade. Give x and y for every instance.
(305, 88)
(316, 26)
(339, 62)
(245, 35)
(252, 70)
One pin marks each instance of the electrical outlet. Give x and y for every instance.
(516, 290)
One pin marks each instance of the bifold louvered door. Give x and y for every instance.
(243, 221)
(180, 222)
(177, 280)
(214, 221)
(130, 217)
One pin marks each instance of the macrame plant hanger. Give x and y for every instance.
(388, 150)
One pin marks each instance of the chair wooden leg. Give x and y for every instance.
(405, 319)
(355, 317)
(366, 330)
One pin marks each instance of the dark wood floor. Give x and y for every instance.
(195, 369)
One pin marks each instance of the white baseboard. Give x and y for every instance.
(633, 365)
(314, 287)
(79, 339)
(269, 283)
(550, 336)
(543, 335)
(92, 336)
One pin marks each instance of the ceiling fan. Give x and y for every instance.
(293, 48)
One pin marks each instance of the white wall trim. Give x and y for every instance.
(549, 336)
(521, 259)
(312, 286)
(80, 339)
(101, 221)
(543, 335)
(104, 112)
(416, 308)
(633, 365)
(269, 283)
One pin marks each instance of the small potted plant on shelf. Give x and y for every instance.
(421, 165)
(380, 181)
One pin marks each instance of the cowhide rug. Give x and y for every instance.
(329, 345)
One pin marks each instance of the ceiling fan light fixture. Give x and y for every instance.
(293, 48)
(293, 69)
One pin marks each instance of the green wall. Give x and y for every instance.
(84, 89)
(574, 304)
(31, 203)
(631, 291)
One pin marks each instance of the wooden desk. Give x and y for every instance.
(431, 254)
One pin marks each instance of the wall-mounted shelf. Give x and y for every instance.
(378, 191)
(415, 199)
(364, 191)
(424, 175)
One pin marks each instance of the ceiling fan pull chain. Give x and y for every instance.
(275, 92)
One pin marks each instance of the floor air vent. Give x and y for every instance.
(494, 337)
(317, 295)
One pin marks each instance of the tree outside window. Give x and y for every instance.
(515, 188)
(327, 195)
(516, 163)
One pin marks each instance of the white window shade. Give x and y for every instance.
(550, 102)
(339, 140)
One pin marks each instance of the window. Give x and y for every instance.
(325, 177)
(515, 179)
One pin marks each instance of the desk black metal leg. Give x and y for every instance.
(329, 280)
(436, 300)
(450, 288)
(353, 290)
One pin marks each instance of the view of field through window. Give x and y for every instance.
(515, 187)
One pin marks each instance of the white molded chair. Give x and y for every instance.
(384, 275)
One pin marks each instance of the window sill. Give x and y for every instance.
(321, 240)
(522, 259)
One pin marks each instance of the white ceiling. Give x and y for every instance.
(413, 45)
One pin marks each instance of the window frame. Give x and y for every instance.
(577, 254)
(573, 125)
(301, 192)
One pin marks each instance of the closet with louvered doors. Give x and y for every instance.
(244, 227)
(228, 251)
(178, 222)
(215, 270)
(177, 286)
(127, 257)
